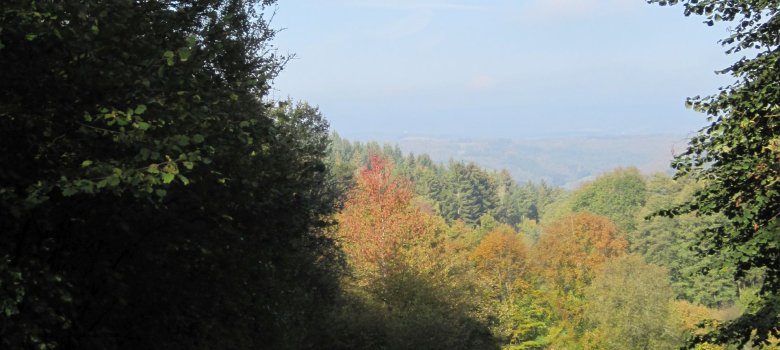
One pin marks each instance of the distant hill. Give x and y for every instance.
(563, 161)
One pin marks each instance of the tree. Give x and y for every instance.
(690, 316)
(149, 197)
(567, 256)
(510, 208)
(569, 250)
(630, 302)
(736, 157)
(404, 272)
(670, 242)
(379, 220)
(617, 195)
(469, 194)
(501, 260)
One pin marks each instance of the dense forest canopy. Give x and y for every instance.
(153, 196)
(579, 269)
(149, 197)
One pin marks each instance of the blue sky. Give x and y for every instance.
(497, 69)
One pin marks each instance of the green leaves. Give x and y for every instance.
(142, 125)
(184, 54)
(168, 177)
(168, 56)
(96, 221)
(730, 156)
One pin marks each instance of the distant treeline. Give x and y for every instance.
(455, 190)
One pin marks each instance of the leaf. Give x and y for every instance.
(198, 138)
(142, 125)
(191, 40)
(168, 178)
(168, 55)
(113, 180)
(184, 54)
(182, 140)
(69, 191)
(86, 163)
(140, 109)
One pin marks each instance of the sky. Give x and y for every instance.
(386, 69)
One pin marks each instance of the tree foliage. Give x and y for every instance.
(736, 157)
(456, 190)
(671, 243)
(501, 260)
(149, 197)
(618, 195)
(630, 303)
(502, 257)
(411, 289)
(379, 219)
(571, 249)
(566, 258)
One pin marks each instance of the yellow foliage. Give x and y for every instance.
(691, 314)
(501, 261)
(571, 249)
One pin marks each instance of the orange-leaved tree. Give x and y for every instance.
(567, 255)
(501, 258)
(379, 219)
(571, 249)
(410, 289)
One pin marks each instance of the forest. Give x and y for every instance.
(153, 196)
(539, 267)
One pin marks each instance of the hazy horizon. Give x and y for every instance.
(565, 161)
(501, 69)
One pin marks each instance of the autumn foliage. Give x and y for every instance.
(567, 256)
(501, 258)
(408, 285)
(422, 281)
(571, 249)
(379, 218)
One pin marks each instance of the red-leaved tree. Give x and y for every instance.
(379, 219)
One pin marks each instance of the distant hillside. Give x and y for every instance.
(563, 161)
